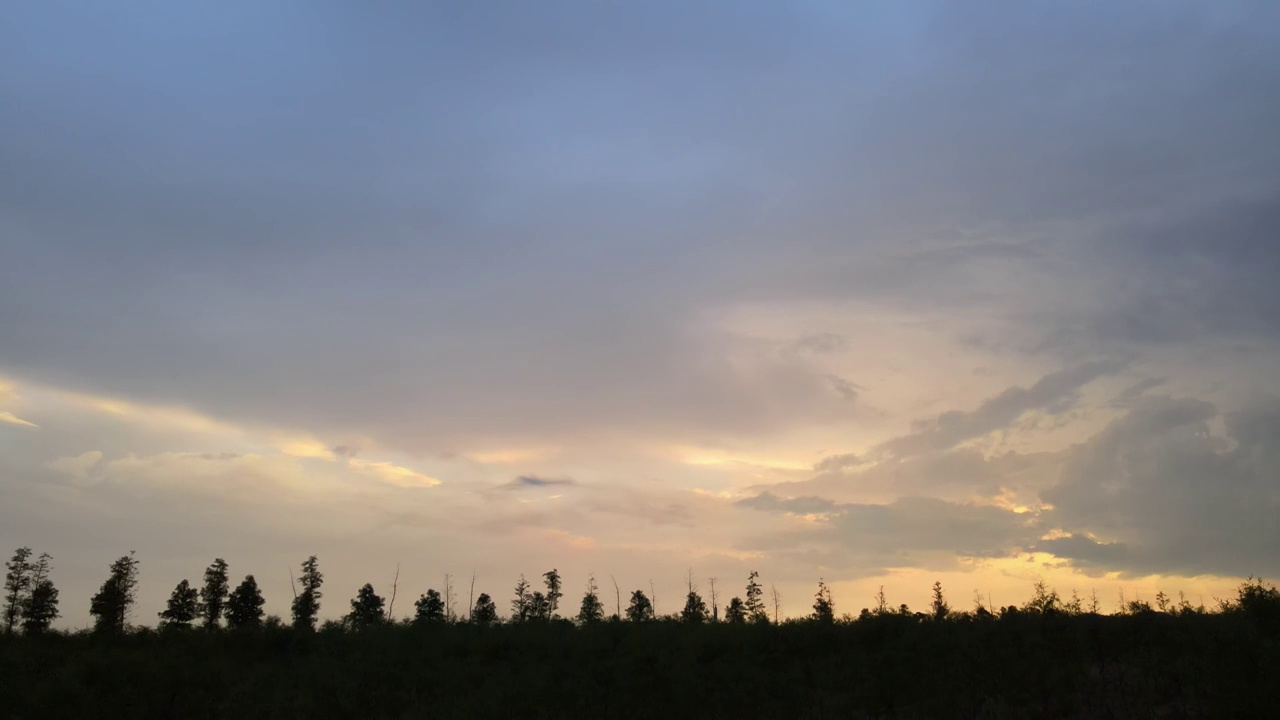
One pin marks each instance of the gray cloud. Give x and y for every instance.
(334, 230)
(862, 539)
(837, 462)
(533, 481)
(1054, 393)
(1162, 494)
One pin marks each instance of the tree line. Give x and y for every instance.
(31, 602)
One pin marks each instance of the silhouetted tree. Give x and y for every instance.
(591, 610)
(448, 597)
(640, 609)
(715, 601)
(695, 609)
(306, 604)
(40, 607)
(736, 611)
(366, 608)
(1075, 605)
(882, 603)
(111, 605)
(939, 608)
(552, 580)
(213, 596)
(429, 607)
(824, 610)
(17, 583)
(183, 607)
(244, 605)
(539, 606)
(755, 600)
(485, 612)
(520, 606)
(1044, 601)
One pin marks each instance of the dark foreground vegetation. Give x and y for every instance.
(1048, 658)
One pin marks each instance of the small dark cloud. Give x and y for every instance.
(836, 463)
(846, 389)
(533, 481)
(346, 451)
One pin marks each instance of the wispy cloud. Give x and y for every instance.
(11, 419)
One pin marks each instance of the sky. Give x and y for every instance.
(879, 293)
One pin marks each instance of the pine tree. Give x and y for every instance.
(213, 596)
(695, 609)
(735, 612)
(244, 605)
(756, 612)
(429, 607)
(824, 610)
(40, 607)
(183, 607)
(113, 602)
(485, 612)
(366, 608)
(939, 607)
(591, 610)
(1044, 601)
(641, 608)
(539, 606)
(17, 585)
(552, 580)
(306, 604)
(520, 605)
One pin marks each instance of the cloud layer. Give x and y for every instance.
(973, 289)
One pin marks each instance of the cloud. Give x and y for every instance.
(844, 388)
(78, 467)
(769, 502)
(833, 463)
(1130, 395)
(1055, 393)
(1158, 492)
(392, 474)
(11, 419)
(862, 539)
(533, 481)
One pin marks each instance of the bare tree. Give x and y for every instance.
(450, 597)
(395, 585)
(653, 598)
(617, 594)
(777, 602)
(715, 601)
(471, 599)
